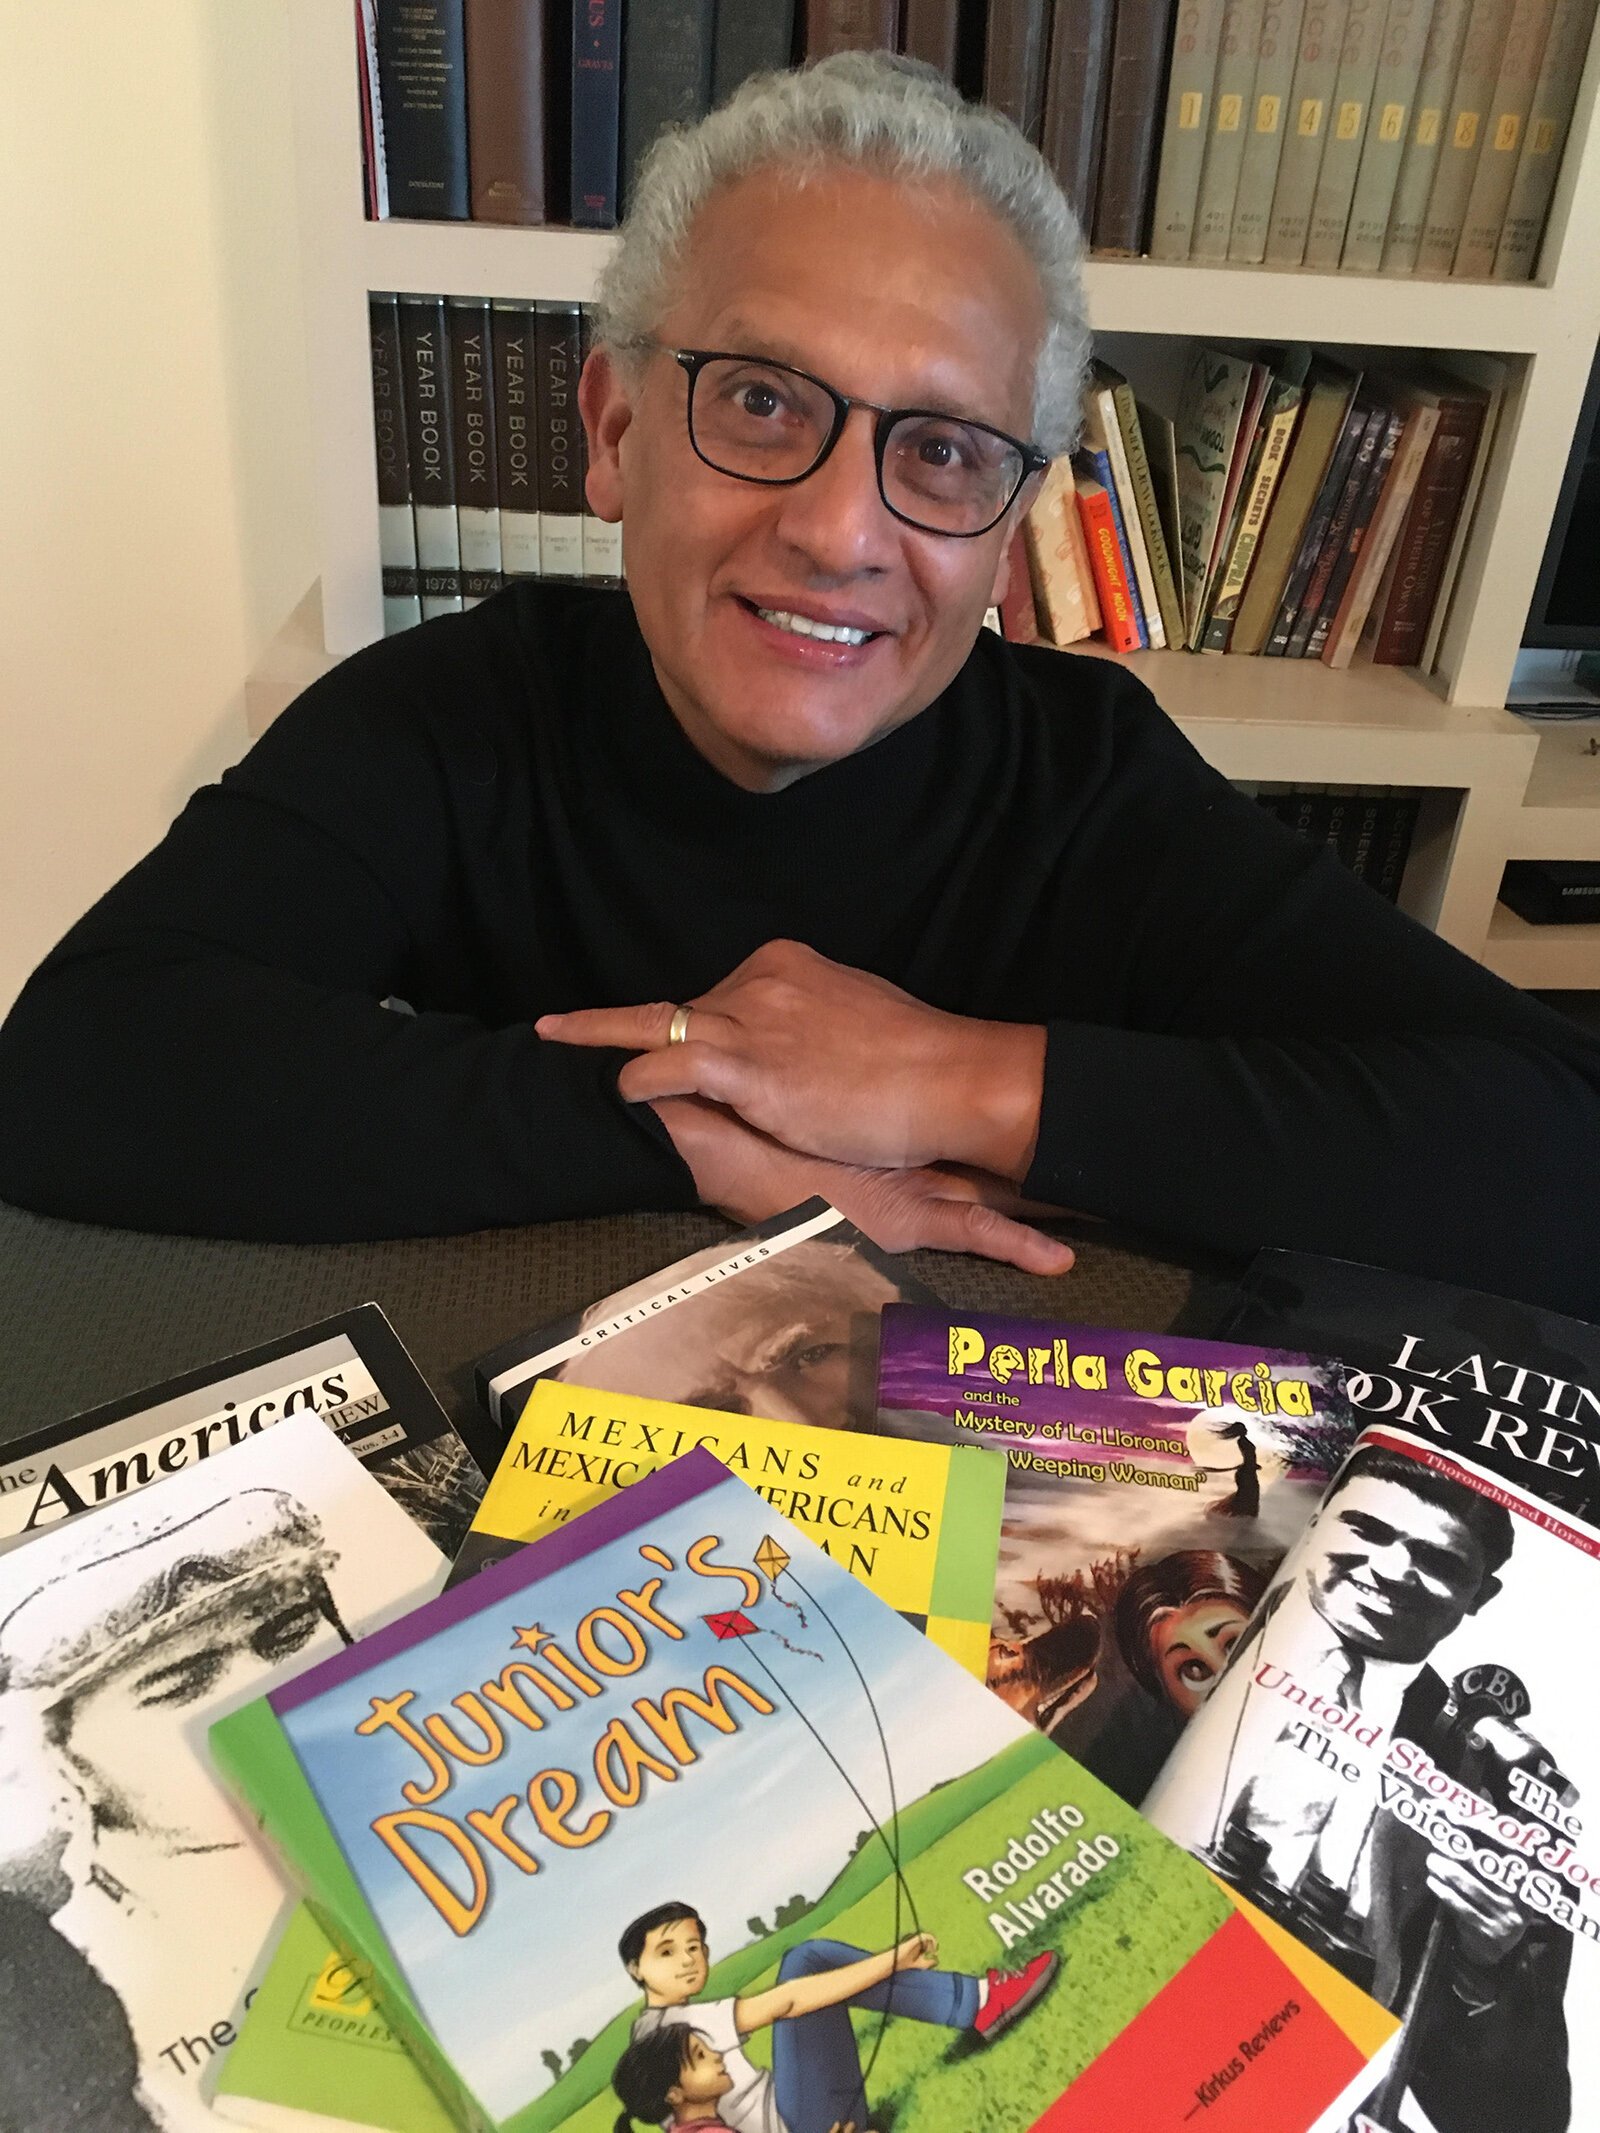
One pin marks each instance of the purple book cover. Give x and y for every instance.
(1154, 1485)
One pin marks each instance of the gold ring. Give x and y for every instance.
(678, 1027)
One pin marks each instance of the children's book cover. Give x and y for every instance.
(670, 1821)
(1153, 1486)
(920, 1523)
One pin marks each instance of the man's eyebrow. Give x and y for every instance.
(741, 338)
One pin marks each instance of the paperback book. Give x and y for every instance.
(1153, 1485)
(668, 1811)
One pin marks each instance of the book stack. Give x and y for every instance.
(480, 451)
(730, 1771)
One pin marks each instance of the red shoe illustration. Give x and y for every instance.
(1012, 1992)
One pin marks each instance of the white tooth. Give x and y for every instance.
(803, 627)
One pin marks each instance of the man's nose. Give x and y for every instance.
(836, 517)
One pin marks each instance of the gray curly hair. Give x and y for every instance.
(857, 108)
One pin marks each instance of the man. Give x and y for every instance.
(925, 922)
(1297, 1740)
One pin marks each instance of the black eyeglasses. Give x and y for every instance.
(770, 423)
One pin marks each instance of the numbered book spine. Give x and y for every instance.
(397, 533)
(1075, 98)
(505, 109)
(1196, 42)
(425, 369)
(1441, 55)
(516, 457)
(560, 492)
(1237, 48)
(1485, 212)
(1265, 113)
(1347, 129)
(1098, 464)
(1315, 74)
(596, 112)
(1462, 143)
(422, 84)
(473, 447)
(754, 36)
(666, 74)
(602, 541)
(1139, 53)
(1545, 136)
(1394, 91)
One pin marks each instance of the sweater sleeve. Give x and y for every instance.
(208, 1050)
(1290, 1061)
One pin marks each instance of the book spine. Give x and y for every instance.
(1394, 91)
(1105, 562)
(1392, 843)
(1019, 619)
(1196, 40)
(472, 447)
(602, 541)
(560, 494)
(1281, 22)
(1133, 111)
(1463, 135)
(1070, 519)
(1130, 521)
(397, 533)
(422, 89)
(374, 169)
(1425, 537)
(1484, 215)
(1105, 475)
(1252, 520)
(1306, 130)
(1014, 63)
(1347, 129)
(1544, 138)
(511, 339)
(851, 26)
(1331, 546)
(1376, 549)
(1345, 562)
(1441, 55)
(1075, 97)
(505, 109)
(1169, 605)
(1316, 530)
(1238, 47)
(666, 74)
(426, 374)
(757, 36)
(596, 112)
(1053, 558)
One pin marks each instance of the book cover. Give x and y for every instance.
(781, 1319)
(1357, 424)
(422, 91)
(1306, 129)
(135, 1901)
(1329, 393)
(1348, 506)
(1140, 50)
(514, 351)
(1398, 622)
(1352, 544)
(1076, 84)
(1461, 143)
(1015, 37)
(1211, 406)
(1239, 48)
(666, 74)
(1152, 1486)
(374, 170)
(1420, 406)
(1147, 504)
(595, 104)
(1059, 563)
(557, 427)
(1544, 139)
(1185, 126)
(1484, 215)
(472, 446)
(1118, 615)
(1019, 620)
(350, 1370)
(759, 1810)
(425, 366)
(919, 1523)
(1364, 28)
(1268, 111)
(1394, 90)
(751, 36)
(1279, 416)
(1441, 55)
(397, 532)
(505, 109)
(1103, 438)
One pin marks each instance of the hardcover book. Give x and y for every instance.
(781, 1319)
(1329, 393)
(1076, 85)
(1544, 138)
(422, 89)
(1238, 51)
(1483, 217)
(670, 1812)
(505, 109)
(473, 447)
(350, 1370)
(1365, 25)
(1119, 615)
(134, 1901)
(426, 370)
(1217, 389)
(397, 533)
(1263, 150)
(919, 1523)
(1153, 1485)
(1186, 126)
(1394, 90)
(1306, 128)
(1140, 48)
(595, 105)
(557, 427)
(1280, 414)
(1462, 141)
(1441, 55)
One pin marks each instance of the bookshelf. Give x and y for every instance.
(1495, 788)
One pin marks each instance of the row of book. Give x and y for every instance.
(588, 1723)
(480, 451)
(1291, 506)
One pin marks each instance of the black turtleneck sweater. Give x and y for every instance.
(497, 815)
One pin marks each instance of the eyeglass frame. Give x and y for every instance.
(692, 361)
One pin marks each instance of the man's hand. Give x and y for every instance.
(1489, 1925)
(750, 1176)
(919, 1951)
(836, 1063)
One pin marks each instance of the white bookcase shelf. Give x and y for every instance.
(1276, 720)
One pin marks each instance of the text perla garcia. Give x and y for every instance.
(1255, 1391)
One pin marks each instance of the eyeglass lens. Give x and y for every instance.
(767, 424)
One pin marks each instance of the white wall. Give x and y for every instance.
(154, 481)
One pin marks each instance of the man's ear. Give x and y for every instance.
(1002, 573)
(607, 410)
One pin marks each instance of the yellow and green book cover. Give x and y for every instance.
(919, 1523)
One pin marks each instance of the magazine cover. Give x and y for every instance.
(1153, 1485)
(668, 1819)
(134, 1900)
(351, 1369)
(781, 1320)
(920, 1523)
(1396, 1768)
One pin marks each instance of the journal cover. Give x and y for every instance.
(670, 1811)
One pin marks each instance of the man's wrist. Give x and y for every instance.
(994, 1108)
